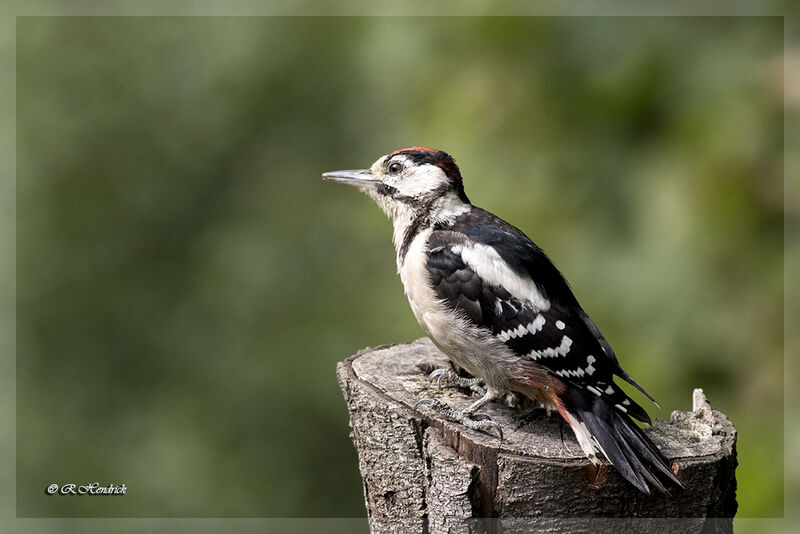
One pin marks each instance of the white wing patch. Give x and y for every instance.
(568, 373)
(488, 264)
(510, 334)
(589, 368)
(537, 324)
(532, 328)
(561, 350)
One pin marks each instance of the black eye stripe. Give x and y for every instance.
(393, 192)
(387, 190)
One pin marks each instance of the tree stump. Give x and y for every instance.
(422, 473)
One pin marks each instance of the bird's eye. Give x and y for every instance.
(395, 167)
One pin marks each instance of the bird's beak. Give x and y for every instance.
(361, 178)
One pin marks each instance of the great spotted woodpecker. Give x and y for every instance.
(491, 300)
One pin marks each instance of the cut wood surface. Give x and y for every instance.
(423, 473)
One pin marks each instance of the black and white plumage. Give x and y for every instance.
(492, 301)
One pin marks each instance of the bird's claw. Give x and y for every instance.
(439, 374)
(473, 384)
(435, 403)
(466, 419)
(485, 425)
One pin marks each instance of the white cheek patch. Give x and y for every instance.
(416, 181)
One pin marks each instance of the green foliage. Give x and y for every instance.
(186, 281)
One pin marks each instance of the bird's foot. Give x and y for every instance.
(466, 417)
(484, 424)
(473, 384)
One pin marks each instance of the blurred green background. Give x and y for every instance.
(186, 281)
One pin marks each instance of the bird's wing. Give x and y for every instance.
(526, 258)
(470, 271)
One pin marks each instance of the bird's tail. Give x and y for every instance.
(600, 427)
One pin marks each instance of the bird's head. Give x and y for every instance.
(408, 180)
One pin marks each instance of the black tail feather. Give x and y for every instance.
(630, 380)
(625, 445)
(649, 450)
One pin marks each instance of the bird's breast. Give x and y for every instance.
(416, 281)
(467, 345)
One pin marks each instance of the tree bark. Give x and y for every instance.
(422, 473)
